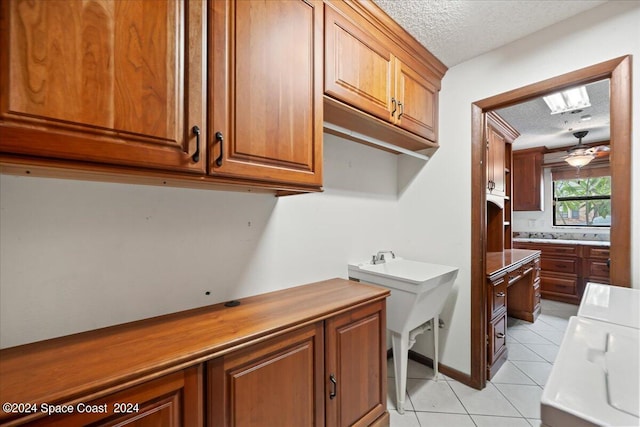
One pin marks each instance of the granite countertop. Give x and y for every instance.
(563, 241)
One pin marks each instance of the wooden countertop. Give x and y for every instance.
(498, 262)
(67, 368)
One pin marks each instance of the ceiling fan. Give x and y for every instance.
(580, 155)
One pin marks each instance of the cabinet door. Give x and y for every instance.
(527, 180)
(172, 401)
(265, 95)
(417, 101)
(356, 366)
(496, 146)
(115, 82)
(497, 338)
(358, 65)
(497, 296)
(276, 383)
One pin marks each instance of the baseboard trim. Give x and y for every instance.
(444, 369)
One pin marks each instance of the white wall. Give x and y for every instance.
(436, 211)
(79, 255)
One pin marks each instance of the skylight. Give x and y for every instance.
(568, 100)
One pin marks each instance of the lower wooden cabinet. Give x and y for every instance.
(170, 401)
(312, 355)
(329, 373)
(595, 264)
(276, 383)
(513, 289)
(566, 268)
(355, 367)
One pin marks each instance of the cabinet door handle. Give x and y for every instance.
(196, 155)
(220, 139)
(609, 263)
(500, 335)
(334, 386)
(401, 105)
(395, 106)
(500, 294)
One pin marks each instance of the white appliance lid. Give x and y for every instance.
(613, 304)
(594, 379)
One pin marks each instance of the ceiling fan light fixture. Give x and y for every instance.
(578, 155)
(568, 100)
(579, 160)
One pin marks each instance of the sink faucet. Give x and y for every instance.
(379, 257)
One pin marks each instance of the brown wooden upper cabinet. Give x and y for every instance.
(369, 70)
(114, 82)
(498, 134)
(231, 94)
(496, 148)
(265, 98)
(527, 180)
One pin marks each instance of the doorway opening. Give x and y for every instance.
(619, 72)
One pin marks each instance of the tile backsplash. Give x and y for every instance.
(561, 236)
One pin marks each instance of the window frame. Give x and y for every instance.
(555, 199)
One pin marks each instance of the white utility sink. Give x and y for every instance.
(418, 292)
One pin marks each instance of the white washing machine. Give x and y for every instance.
(595, 380)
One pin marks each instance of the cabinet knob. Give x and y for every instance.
(500, 335)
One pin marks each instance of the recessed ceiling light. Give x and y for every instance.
(568, 100)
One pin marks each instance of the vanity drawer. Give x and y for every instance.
(536, 294)
(497, 337)
(559, 284)
(560, 265)
(596, 252)
(596, 268)
(497, 297)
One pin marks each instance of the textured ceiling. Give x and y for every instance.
(458, 30)
(538, 127)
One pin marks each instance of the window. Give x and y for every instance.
(582, 202)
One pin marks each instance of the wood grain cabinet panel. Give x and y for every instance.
(496, 148)
(359, 66)
(497, 296)
(103, 81)
(596, 264)
(418, 101)
(371, 70)
(276, 383)
(171, 401)
(355, 363)
(265, 96)
(527, 180)
(497, 333)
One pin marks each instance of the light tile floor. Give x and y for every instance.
(511, 398)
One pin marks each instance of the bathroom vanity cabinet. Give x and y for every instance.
(567, 267)
(309, 355)
(513, 289)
